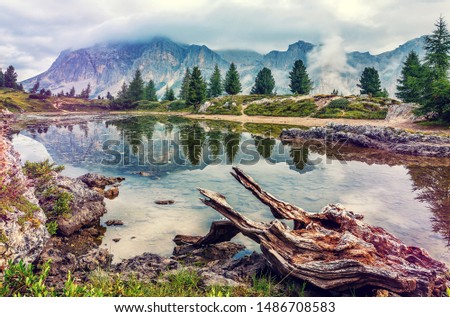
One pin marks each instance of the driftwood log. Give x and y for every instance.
(332, 249)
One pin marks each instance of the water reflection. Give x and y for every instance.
(432, 184)
(397, 192)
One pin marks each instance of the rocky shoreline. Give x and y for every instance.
(76, 205)
(75, 247)
(383, 138)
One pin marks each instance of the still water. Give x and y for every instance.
(169, 157)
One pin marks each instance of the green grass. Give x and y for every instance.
(282, 108)
(353, 109)
(19, 101)
(22, 279)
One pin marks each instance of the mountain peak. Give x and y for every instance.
(107, 66)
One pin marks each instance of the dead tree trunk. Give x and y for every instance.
(332, 249)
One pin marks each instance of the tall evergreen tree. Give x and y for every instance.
(215, 88)
(2, 79)
(437, 47)
(109, 96)
(150, 91)
(369, 82)
(35, 87)
(232, 83)
(411, 81)
(10, 77)
(85, 93)
(136, 87)
(184, 91)
(169, 94)
(122, 100)
(436, 86)
(72, 92)
(264, 83)
(197, 88)
(300, 82)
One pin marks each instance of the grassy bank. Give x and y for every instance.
(24, 280)
(20, 101)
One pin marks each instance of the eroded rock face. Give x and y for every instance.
(383, 138)
(402, 112)
(86, 205)
(23, 234)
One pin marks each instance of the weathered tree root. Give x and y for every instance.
(332, 249)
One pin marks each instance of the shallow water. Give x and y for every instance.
(408, 197)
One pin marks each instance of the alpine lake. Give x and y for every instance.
(169, 157)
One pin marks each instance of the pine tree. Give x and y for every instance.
(2, 79)
(122, 100)
(264, 83)
(197, 88)
(85, 93)
(184, 91)
(35, 87)
(215, 84)
(437, 47)
(370, 83)
(436, 85)
(169, 95)
(232, 82)
(411, 81)
(10, 77)
(136, 87)
(72, 92)
(300, 82)
(150, 91)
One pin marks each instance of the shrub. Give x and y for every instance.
(341, 103)
(62, 204)
(52, 227)
(41, 172)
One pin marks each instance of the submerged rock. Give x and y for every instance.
(78, 254)
(165, 202)
(114, 222)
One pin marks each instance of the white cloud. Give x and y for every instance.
(42, 29)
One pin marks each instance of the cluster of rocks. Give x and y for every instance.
(383, 138)
(23, 234)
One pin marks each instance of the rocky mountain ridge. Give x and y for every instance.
(107, 66)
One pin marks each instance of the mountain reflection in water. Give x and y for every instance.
(409, 196)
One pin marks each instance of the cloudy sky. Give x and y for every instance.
(34, 32)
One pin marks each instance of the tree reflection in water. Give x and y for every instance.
(192, 139)
(433, 186)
